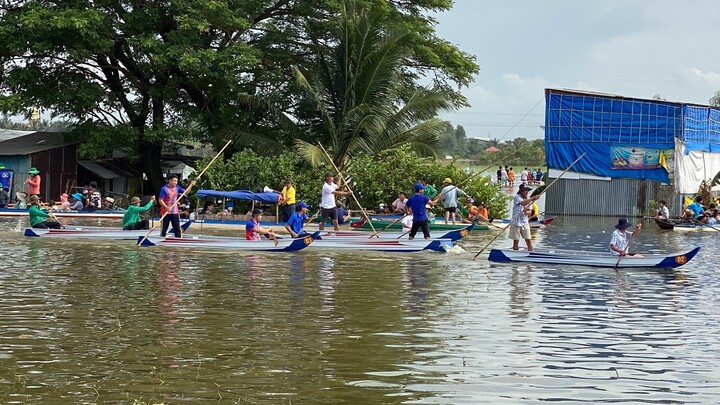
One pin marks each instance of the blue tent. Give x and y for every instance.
(267, 198)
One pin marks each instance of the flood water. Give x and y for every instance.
(107, 322)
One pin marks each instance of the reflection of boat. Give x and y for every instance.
(95, 232)
(201, 242)
(591, 259)
(434, 226)
(679, 225)
(97, 214)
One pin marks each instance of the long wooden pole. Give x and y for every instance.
(348, 186)
(518, 214)
(454, 187)
(186, 191)
(637, 231)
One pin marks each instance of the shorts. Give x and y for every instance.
(329, 213)
(517, 232)
(450, 209)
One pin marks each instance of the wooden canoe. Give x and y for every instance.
(96, 232)
(202, 242)
(591, 259)
(434, 226)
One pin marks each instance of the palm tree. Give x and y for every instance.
(355, 100)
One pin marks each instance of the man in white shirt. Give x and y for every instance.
(662, 213)
(327, 203)
(619, 239)
(399, 204)
(520, 225)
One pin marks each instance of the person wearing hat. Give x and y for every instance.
(21, 200)
(34, 182)
(450, 196)
(520, 224)
(4, 196)
(297, 220)
(416, 205)
(473, 213)
(288, 194)
(253, 230)
(131, 219)
(64, 203)
(619, 238)
(38, 218)
(327, 203)
(76, 202)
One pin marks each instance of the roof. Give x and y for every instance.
(110, 168)
(29, 142)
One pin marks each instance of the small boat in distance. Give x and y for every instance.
(591, 259)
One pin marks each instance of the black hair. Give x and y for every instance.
(172, 176)
(662, 202)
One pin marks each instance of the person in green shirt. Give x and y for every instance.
(131, 219)
(38, 216)
(430, 191)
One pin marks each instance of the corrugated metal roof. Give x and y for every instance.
(28, 142)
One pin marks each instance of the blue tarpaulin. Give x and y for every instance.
(701, 129)
(621, 137)
(267, 198)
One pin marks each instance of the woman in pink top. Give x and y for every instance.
(34, 182)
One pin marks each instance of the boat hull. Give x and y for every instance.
(98, 214)
(434, 227)
(95, 232)
(201, 242)
(533, 224)
(328, 242)
(591, 259)
(453, 235)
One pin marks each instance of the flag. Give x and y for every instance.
(663, 162)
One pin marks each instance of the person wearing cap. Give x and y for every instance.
(253, 230)
(4, 196)
(416, 205)
(38, 218)
(297, 220)
(64, 203)
(327, 203)
(288, 194)
(619, 238)
(131, 219)
(34, 182)
(399, 204)
(520, 224)
(473, 213)
(450, 194)
(76, 202)
(430, 191)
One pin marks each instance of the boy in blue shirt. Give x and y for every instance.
(297, 220)
(416, 204)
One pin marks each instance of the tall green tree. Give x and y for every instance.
(356, 99)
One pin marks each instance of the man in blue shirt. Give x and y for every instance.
(416, 204)
(695, 210)
(297, 221)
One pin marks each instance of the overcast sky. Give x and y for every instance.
(635, 48)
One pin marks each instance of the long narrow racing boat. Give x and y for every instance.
(434, 226)
(591, 259)
(200, 242)
(330, 242)
(97, 214)
(96, 232)
(533, 224)
(453, 235)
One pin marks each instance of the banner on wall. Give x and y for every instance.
(6, 178)
(638, 158)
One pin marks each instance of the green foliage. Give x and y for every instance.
(374, 180)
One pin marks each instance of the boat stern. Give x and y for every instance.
(672, 262)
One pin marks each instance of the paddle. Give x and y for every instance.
(185, 192)
(388, 226)
(518, 214)
(347, 185)
(56, 219)
(637, 230)
(704, 224)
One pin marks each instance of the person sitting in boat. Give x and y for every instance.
(297, 220)
(4, 196)
(64, 203)
(406, 222)
(253, 230)
(534, 212)
(468, 213)
(694, 211)
(76, 202)
(663, 214)
(38, 217)
(399, 204)
(21, 200)
(108, 203)
(712, 215)
(184, 208)
(343, 215)
(131, 219)
(619, 238)
(94, 201)
(207, 209)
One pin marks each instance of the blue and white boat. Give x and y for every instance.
(591, 259)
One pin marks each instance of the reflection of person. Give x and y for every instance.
(288, 193)
(297, 220)
(131, 219)
(38, 217)
(520, 225)
(328, 205)
(619, 238)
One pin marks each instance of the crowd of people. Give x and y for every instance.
(506, 176)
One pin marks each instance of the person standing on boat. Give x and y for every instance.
(34, 182)
(327, 203)
(430, 191)
(417, 205)
(131, 219)
(38, 217)
(253, 230)
(288, 194)
(663, 214)
(296, 222)
(169, 194)
(450, 195)
(619, 238)
(520, 225)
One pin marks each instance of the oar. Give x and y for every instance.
(186, 191)
(518, 214)
(56, 219)
(348, 186)
(627, 246)
(704, 224)
(388, 226)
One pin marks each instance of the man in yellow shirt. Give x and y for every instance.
(288, 194)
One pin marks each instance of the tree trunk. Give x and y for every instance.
(151, 166)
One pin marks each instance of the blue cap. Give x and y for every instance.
(301, 205)
(419, 186)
